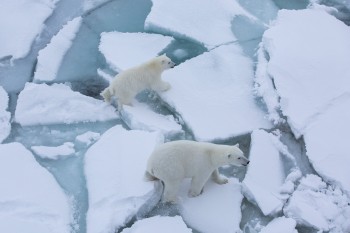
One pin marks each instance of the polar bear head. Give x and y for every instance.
(165, 62)
(236, 157)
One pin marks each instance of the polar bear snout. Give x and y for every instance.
(244, 161)
(172, 64)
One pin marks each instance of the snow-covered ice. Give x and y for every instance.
(279, 225)
(40, 104)
(319, 206)
(50, 57)
(213, 93)
(88, 138)
(125, 50)
(140, 116)
(30, 198)
(114, 170)
(269, 188)
(194, 20)
(159, 224)
(54, 152)
(5, 116)
(308, 63)
(21, 21)
(217, 209)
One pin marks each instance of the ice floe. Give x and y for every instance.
(140, 116)
(193, 20)
(125, 50)
(314, 204)
(40, 104)
(308, 64)
(114, 170)
(269, 188)
(213, 93)
(88, 138)
(159, 224)
(21, 21)
(30, 198)
(5, 116)
(54, 152)
(279, 225)
(50, 57)
(217, 209)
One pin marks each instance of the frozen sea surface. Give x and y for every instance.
(5, 116)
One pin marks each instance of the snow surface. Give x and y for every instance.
(40, 104)
(114, 170)
(193, 20)
(51, 57)
(125, 50)
(319, 206)
(269, 188)
(88, 138)
(140, 116)
(213, 93)
(30, 198)
(159, 224)
(308, 63)
(54, 152)
(21, 21)
(279, 225)
(5, 116)
(217, 209)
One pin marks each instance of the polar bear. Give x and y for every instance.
(173, 161)
(127, 84)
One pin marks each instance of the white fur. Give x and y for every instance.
(173, 161)
(127, 84)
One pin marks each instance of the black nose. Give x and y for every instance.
(248, 162)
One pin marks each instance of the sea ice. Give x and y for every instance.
(88, 138)
(159, 224)
(314, 204)
(125, 50)
(308, 64)
(217, 209)
(269, 188)
(279, 225)
(50, 57)
(114, 170)
(5, 116)
(213, 93)
(193, 20)
(21, 21)
(51, 152)
(40, 104)
(30, 198)
(140, 116)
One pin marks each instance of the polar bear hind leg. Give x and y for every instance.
(106, 94)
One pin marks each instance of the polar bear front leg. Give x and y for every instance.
(197, 185)
(161, 86)
(217, 178)
(170, 190)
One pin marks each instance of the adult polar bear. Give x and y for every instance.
(173, 161)
(127, 84)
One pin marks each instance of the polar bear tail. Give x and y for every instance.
(149, 177)
(106, 94)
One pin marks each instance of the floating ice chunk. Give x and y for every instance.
(50, 57)
(5, 116)
(40, 104)
(30, 198)
(217, 209)
(269, 188)
(281, 224)
(140, 116)
(159, 224)
(88, 138)
(114, 169)
(317, 205)
(180, 53)
(213, 93)
(21, 21)
(193, 20)
(51, 152)
(125, 50)
(327, 143)
(307, 62)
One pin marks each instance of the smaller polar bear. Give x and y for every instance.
(173, 161)
(127, 84)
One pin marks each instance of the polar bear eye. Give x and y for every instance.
(229, 156)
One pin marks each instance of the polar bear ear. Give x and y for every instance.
(237, 144)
